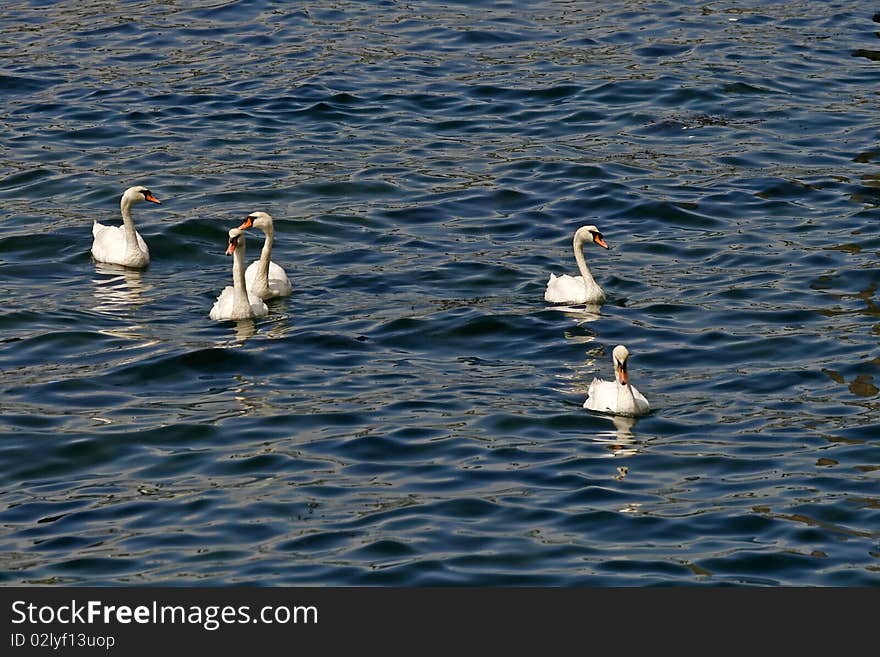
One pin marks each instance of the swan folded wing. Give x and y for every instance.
(565, 289)
(97, 229)
(109, 244)
(142, 244)
(250, 274)
(223, 306)
(258, 307)
(604, 397)
(279, 288)
(642, 405)
(276, 272)
(103, 241)
(601, 396)
(278, 284)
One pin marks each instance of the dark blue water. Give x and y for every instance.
(412, 415)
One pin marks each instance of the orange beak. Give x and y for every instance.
(151, 198)
(248, 223)
(621, 373)
(230, 249)
(598, 240)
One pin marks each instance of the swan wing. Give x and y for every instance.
(97, 229)
(142, 245)
(602, 396)
(222, 308)
(276, 272)
(642, 405)
(609, 397)
(565, 289)
(109, 246)
(278, 285)
(572, 290)
(258, 307)
(250, 274)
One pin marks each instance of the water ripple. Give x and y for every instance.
(412, 415)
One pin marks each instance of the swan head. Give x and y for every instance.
(236, 241)
(590, 234)
(620, 354)
(260, 220)
(137, 194)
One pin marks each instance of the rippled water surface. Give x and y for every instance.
(412, 414)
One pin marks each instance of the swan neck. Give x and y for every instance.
(239, 289)
(266, 254)
(582, 262)
(128, 223)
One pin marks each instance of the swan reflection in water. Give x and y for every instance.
(120, 295)
(277, 326)
(244, 329)
(620, 441)
(582, 314)
(122, 290)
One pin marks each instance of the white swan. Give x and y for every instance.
(617, 397)
(263, 277)
(578, 289)
(123, 245)
(236, 302)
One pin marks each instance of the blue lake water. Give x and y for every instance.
(412, 414)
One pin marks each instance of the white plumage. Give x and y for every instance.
(263, 277)
(617, 397)
(578, 289)
(236, 302)
(123, 245)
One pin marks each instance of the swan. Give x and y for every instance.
(263, 277)
(236, 302)
(578, 289)
(123, 245)
(617, 397)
